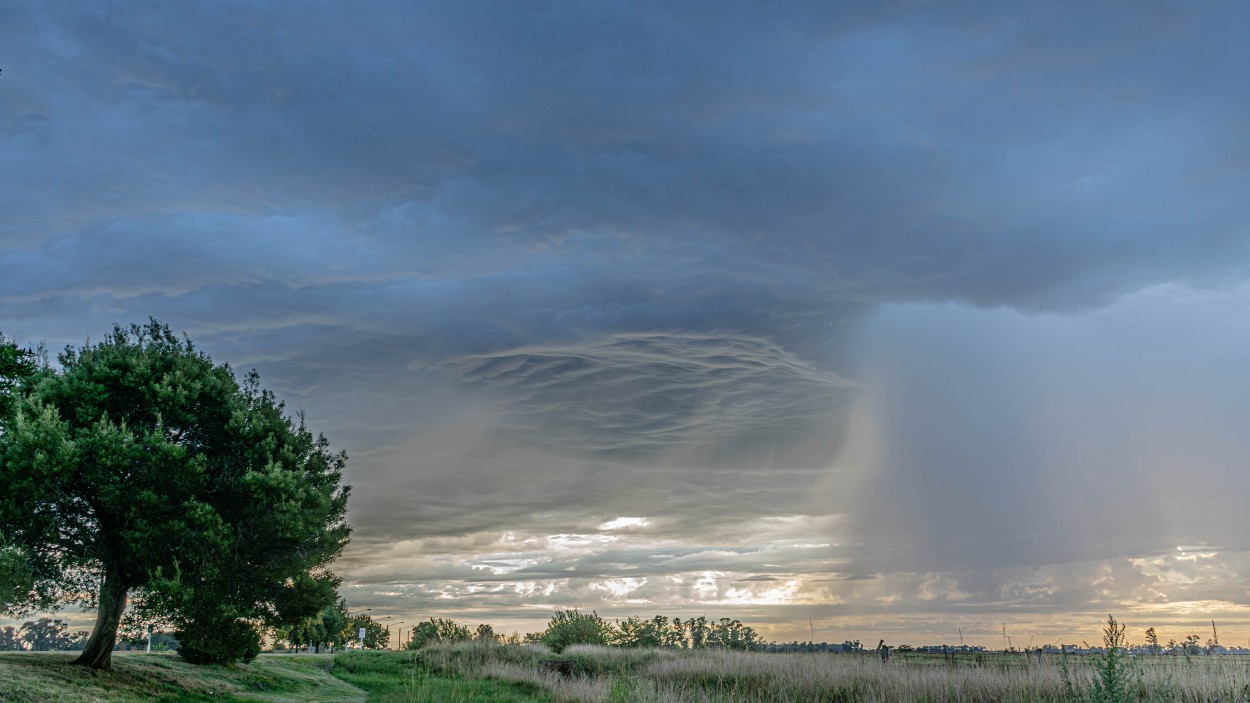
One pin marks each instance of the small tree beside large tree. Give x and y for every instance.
(139, 468)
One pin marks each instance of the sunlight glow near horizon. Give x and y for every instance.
(621, 523)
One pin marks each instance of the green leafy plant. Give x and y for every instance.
(1111, 667)
(1116, 676)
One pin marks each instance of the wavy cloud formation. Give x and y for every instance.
(648, 394)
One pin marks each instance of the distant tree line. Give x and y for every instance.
(42, 635)
(53, 635)
(570, 627)
(816, 647)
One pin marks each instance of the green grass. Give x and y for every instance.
(164, 678)
(356, 677)
(404, 677)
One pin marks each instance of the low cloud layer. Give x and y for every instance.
(953, 290)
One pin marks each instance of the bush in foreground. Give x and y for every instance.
(219, 643)
(569, 627)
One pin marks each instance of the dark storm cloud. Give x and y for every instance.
(541, 265)
(996, 157)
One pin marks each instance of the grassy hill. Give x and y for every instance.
(164, 678)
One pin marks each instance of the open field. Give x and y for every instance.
(470, 673)
(607, 675)
(667, 676)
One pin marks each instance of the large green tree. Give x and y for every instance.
(17, 369)
(137, 467)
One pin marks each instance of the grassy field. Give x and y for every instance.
(39, 677)
(278, 678)
(664, 676)
(507, 674)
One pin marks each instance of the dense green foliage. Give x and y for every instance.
(329, 627)
(568, 627)
(691, 633)
(207, 642)
(17, 368)
(17, 581)
(139, 468)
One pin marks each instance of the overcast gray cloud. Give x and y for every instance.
(952, 292)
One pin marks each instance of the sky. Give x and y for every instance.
(909, 321)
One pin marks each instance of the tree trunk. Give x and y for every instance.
(98, 654)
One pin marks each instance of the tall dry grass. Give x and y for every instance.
(665, 676)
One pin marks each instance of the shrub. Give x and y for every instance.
(1111, 668)
(437, 630)
(221, 642)
(574, 627)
